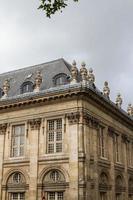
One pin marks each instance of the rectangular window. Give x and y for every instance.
(54, 136)
(18, 134)
(55, 196)
(17, 196)
(118, 197)
(117, 146)
(132, 154)
(102, 143)
(103, 196)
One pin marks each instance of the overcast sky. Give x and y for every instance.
(99, 32)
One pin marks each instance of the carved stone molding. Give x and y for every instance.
(73, 118)
(35, 124)
(3, 128)
(111, 131)
(125, 138)
(90, 121)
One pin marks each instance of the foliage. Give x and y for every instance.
(50, 7)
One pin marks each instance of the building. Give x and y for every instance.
(61, 138)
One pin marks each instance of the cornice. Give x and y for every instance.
(78, 91)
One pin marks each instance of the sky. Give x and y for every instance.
(98, 32)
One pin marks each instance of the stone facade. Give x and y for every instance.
(68, 143)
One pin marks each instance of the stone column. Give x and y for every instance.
(124, 159)
(95, 169)
(34, 144)
(3, 128)
(73, 120)
(111, 133)
(81, 150)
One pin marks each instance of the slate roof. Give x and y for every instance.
(48, 71)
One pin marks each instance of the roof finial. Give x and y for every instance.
(91, 76)
(83, 72)
(6, 87)
(106, 89)
(119, 100)
(130, 109)
(38, 81)
(74, 72)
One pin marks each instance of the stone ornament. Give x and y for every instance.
(74, 72)
(106, 89)
(6, 87)
(3, 128)
(73, 118)
(130, 109)
(83, 72)
(35, 124)
(38, 81)
(119, 100)
(91, 76)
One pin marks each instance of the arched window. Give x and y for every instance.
(1, 93)
(60, 79)
(54, 185)
(16, 186)
(119, 187)
(130, 188)
(27, 87)
(103, 186)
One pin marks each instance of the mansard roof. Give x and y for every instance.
(48, 91)
(48, 71)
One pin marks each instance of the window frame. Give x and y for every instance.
(24, 84)
(117, 148)
(102, 141)
(55, 141)
(58, 76)
(56, 193)
(18, 197)
(19, 145)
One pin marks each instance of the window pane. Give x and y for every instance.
(55, 176)
(51, 196)
(59, 123)
(51, 125)
(17, 196)
(59, 147)
(51, 137)
(59, 136)
(60, 195)
(51, 148)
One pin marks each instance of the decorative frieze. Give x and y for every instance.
(90, 120)
(3, 128)
(73, 118)
(124, 138)
(111, 131)
(35, 124)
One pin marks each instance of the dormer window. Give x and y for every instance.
(27, 87)
(1, 93)
(60, 79)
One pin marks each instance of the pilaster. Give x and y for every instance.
(73, 119)
(3, 128)
(34, 142)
